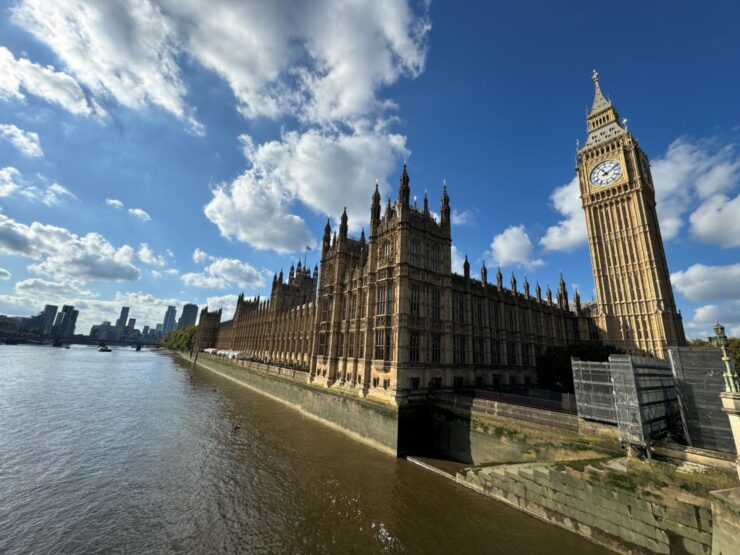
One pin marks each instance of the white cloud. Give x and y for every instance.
(310, 168)
(143, 215)
(224, 272)
(121, 50)
(65, 255)
(569, 232)
(706, 316)
(4, 274)
(21, 75)
(114, 202)
(514, 247)
(8, 185)
(463, 217)
(12, 184)
(704, 283)
(457, 261)
(200, 256)
(26, 142)
(147, 256)
(227, 303)
(717, 221)
(323, 61)
(691, 170)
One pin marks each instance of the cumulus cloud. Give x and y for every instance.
(570, 232)
(705, 283)
(13, 184)
(717, 221)
(200, 256)
(21, 75)
(222, 273)
(463, 217)
(322, 62)
(121, 50)
(227, 303)
(8, 181)
(514, 247)
(457, 260)
(705, 317)
(143, 215)
(114, 202)
(4, 274)
(26, 142)
(307, 167)
(147, 256)
(65, 255)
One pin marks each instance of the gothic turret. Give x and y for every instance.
(466, 267)
(426, 204)
(513, 283)
(404, 191)
(526, 286)
(499, 279)
(343, 225)
(538, 292)
(562, 294)
(444, 210)
(549, 294)
(577, 301)
(483, 274)
(375, 210)
(327, 236)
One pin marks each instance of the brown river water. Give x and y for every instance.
(128, 452)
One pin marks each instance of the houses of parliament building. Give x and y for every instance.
(384, 315)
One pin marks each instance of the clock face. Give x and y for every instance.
(605, 173)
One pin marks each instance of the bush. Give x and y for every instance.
(554, 370)
(180, 340)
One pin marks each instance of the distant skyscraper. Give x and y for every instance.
(131, 325)
(64, 327)
(188, 316)
(50, 312)
(169, 320)
(121, 322)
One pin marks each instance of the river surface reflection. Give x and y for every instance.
(135, 452)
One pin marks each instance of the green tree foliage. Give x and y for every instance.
(180, 340)
(554, 369)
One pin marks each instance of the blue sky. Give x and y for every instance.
(160, 152)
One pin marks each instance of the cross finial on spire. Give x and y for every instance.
(595, 76)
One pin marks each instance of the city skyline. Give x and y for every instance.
(146, 196)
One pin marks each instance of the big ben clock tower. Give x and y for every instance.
(636, 310)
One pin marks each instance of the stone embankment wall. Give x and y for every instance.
(616, 518)
(478, 431)
(367, 421)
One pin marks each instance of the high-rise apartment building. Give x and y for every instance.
(50, 312)
(121, 322)
(188, 316)
(169, 320)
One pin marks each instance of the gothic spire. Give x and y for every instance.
(499, 278)
(483, 274)
(445, 207)
(327, 235)
(404, 191)
(466, 266)
(343, 224)
(375, 210)
(426, 204)
(600, 102)
(513, 282)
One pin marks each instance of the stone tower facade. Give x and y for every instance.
(636, 310)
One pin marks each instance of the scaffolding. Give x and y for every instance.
(635, 393)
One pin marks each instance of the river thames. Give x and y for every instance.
(135, 452)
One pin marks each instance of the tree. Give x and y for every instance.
(180, 340)
(554, 369)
